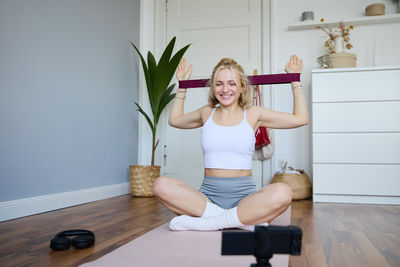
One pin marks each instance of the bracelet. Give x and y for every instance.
(297, 86)
(182, 90)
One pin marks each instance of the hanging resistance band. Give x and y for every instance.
(254, 80)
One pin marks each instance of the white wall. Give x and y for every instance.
(68, 82)
(373, 44)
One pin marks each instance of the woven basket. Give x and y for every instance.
(300, 183)
(343, 60)
(142, 178)
(375, 9)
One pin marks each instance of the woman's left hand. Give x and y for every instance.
(295, 65)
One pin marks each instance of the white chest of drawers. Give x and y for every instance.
(356, 135)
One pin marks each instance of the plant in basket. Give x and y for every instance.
(338, 38)
(338, 41)
(158, 77)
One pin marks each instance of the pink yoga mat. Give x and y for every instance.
(164, 248)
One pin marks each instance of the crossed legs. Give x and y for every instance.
(260, 207)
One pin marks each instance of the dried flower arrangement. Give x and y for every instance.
(341, 32)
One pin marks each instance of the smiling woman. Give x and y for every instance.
(228, 198)
(226, 76)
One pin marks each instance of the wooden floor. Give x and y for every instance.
(333, 234)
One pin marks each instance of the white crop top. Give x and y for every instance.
(227, 147)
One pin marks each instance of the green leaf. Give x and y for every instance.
(152, 64)
(166, 71)
(146, 75)
(166, 98)
(167, 52)
(165, 103)
(147, 118)
(161, 81)
(176, 59)
(152, 73)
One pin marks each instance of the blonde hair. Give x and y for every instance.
(231, 64)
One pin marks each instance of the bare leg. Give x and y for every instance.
(178, 197)
(265, 205)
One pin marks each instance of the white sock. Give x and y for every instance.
(212, 210)
(227, 219)
(252, 227)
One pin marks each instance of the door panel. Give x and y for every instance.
(216, 29)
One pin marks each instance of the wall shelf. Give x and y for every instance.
(354, 21)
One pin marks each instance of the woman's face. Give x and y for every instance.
(226, 91)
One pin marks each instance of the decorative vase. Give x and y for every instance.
(343, 60)
(339, 45)
(307, 16)
(324, 62)
(142, 178)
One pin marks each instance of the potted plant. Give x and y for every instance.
(158, 77)
(339, 40)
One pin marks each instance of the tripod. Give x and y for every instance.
(262, 261)
(263, 243)
(261, 251)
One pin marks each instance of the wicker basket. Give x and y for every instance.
(375, 9)
(300, 183)
(343, 60)
(142, 178)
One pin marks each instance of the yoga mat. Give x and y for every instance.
(164, 248)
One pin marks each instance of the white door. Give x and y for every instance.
(215, 29)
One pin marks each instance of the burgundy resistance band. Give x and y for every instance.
(254, 80)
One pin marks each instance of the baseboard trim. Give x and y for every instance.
(357, 199)
(29, 206)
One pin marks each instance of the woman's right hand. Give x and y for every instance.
(183, 72)
(295, 65)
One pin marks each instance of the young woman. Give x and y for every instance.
(227, 198)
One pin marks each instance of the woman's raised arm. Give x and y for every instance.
(299, 117)
(177, 118)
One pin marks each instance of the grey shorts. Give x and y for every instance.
(227, 192)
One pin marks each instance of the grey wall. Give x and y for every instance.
(68, 80)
